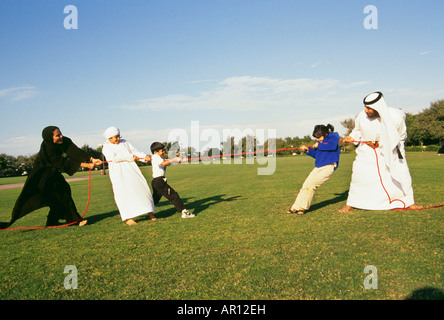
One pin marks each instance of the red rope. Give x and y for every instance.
(62, 225)
(388, 195)
(245, 153)
(382, 184)
(286, 149)
(66, 224)
(226, 155)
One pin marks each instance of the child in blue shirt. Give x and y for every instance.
(326, 154)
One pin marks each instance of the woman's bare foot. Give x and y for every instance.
(346, 208)
(415, 207)
(82, 223)
(131, 222)
(152, 217)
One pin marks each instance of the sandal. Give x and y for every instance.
(291, 211)
(301, 212)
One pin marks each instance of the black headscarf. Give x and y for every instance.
(65, 157)
(48, 133)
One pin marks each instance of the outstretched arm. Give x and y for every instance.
(167, 162)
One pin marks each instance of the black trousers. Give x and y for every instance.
(161, 188)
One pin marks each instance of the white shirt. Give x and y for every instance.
(158, 170)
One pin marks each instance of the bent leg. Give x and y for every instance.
(315, 179)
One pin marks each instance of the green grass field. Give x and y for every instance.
(241, 245)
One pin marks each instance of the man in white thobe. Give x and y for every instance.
(381, 179)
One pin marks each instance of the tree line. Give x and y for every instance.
(424, 128)
(22, 165)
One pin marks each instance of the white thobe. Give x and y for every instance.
(131, 192)
(366, 188)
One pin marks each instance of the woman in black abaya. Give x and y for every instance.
(45, 185)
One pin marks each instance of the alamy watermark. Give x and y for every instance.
(371, 20)
(72, 277)
(71, 21)
(211, 146)
(371, 281)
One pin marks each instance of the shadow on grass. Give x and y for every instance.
(102, 216)
(91, 220)
(427, 293)
(339, 198)
(195, 207)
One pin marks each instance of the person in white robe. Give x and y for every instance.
(381, 178)
(131, 192)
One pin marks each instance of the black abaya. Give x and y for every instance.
(45, 185)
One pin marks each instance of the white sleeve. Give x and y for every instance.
(137, 153)
(356, 132)
(114, 156)
(401, 126)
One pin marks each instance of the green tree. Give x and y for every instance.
(3, 164)
(249, 142)
(348, 124)
(428, 126)
(228, 146)
(95, 153)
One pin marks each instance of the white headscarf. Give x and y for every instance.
(111, 132)
(391, 136)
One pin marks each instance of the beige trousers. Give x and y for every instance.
(315, 179)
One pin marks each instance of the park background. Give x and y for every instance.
(151, 67)
(154, 66)
(242, 245)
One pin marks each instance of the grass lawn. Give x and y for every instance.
(241, 245)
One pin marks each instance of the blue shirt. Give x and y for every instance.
(327, 151)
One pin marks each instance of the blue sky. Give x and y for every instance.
(150, 67)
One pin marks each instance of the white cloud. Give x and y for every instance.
(22, 145)
(18, 93)
(250, 93)
(316, 64)
(141, 139)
